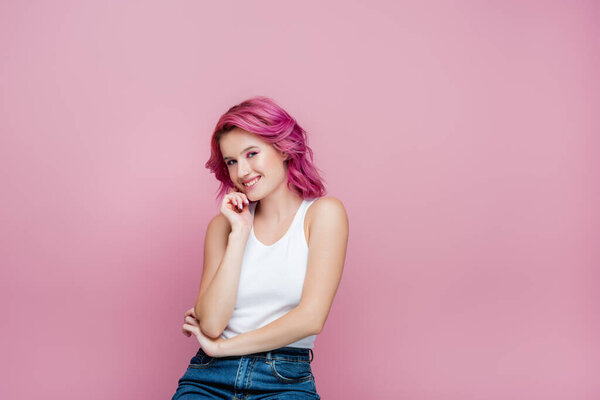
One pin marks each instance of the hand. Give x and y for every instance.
(208, 345)
(236, 208)
(189, 313)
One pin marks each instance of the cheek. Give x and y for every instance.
(232, 173)
(259, 166)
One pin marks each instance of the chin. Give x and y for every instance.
(252, 197)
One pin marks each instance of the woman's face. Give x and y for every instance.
(247, 158)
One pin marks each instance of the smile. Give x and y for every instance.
(252, 183)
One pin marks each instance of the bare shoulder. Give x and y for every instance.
(328, 204)
(327, 212)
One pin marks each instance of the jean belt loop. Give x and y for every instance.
(312, 356)
(268, 356)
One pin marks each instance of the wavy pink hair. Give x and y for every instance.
(263, 117)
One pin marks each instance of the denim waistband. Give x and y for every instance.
(282, 353)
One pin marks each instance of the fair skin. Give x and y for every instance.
(326, 228)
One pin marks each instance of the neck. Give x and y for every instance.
(278, 205)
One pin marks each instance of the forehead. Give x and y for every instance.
(234, 141)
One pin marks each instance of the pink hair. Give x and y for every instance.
(263, 117)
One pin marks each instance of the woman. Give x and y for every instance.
(273, 260)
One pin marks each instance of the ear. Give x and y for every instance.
(284, 156)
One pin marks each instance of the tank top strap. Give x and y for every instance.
(304, 208)
(299, 220)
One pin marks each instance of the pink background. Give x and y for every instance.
(462, 138)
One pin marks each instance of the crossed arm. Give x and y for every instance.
(326, 255)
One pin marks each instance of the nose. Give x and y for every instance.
(243, 168)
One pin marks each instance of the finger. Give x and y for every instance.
(192, 329)
(186, 333)
(243, 197)
(190, 312)
(192, 321)
(238, 204)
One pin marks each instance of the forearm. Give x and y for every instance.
(215, 307)
(289, 328)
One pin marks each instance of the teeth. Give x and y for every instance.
(252, 182)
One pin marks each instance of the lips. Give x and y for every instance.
(250, 180)
(250, 183)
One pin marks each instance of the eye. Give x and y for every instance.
(249, 155)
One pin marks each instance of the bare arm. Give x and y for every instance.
(327, 253)
(289, 328)
(223, 252)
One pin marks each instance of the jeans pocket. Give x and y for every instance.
(201, 361)
(291, 371)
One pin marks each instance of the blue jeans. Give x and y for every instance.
(283, 373)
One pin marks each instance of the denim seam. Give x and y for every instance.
(202, 365)
(289, 380)
(235, 393)
(250, 377)
(285, 359)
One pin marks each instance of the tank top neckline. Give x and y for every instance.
(286, 232)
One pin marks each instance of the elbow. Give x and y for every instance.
(314, 322)
(312, 318)
(210, 330)
(208, 326)
(213, 334)
(317, 328)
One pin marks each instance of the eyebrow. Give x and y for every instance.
(246, 149)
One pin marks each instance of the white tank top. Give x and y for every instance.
(271, 279)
